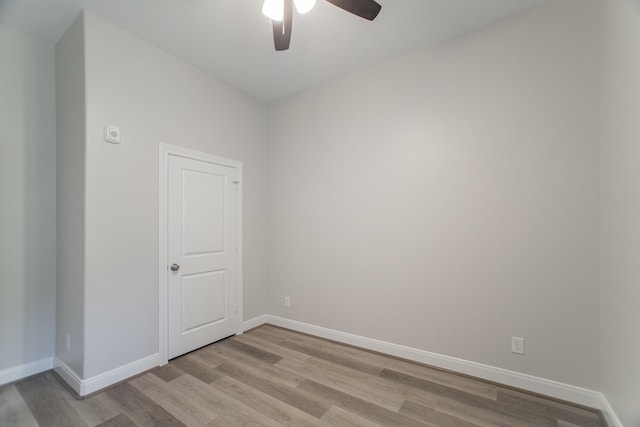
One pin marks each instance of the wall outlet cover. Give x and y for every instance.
(517, 345)
(112, 134)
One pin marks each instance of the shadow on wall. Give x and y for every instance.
(39, 233)
(27, 201)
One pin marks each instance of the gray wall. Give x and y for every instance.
(71, 178)
(153, 97)
(448, 199)
(27, 200)
(620, 280)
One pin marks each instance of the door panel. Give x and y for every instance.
(204, 297)
(204, 212)
(202, 241)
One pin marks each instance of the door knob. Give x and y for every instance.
(175, 267)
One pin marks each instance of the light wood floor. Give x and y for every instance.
(274, 377)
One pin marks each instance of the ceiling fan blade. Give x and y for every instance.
(282, 29)
(367, 9)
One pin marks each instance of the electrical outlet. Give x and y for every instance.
(67, 341)
(517, 345)
(287, 301)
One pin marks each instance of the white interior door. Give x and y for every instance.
(202, 251)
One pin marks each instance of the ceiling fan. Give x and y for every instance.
(281, 14)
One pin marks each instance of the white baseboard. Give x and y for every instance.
(255, 322)
(22, 371)
(106, 379)
(569, 393)
(609, 414)
(69, 376)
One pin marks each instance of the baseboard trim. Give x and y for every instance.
(255, 322)
(609, 414)
(567, 392)
(69, 376)
(19, 372)
(106, 379)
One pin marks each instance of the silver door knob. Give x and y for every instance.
(175, 267)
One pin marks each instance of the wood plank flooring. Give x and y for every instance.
(275, 377)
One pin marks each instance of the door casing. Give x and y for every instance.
(166, 150)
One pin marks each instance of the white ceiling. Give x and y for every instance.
(232, 40)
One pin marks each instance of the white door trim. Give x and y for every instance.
(166, 150)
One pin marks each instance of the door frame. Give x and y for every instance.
(166, 150)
